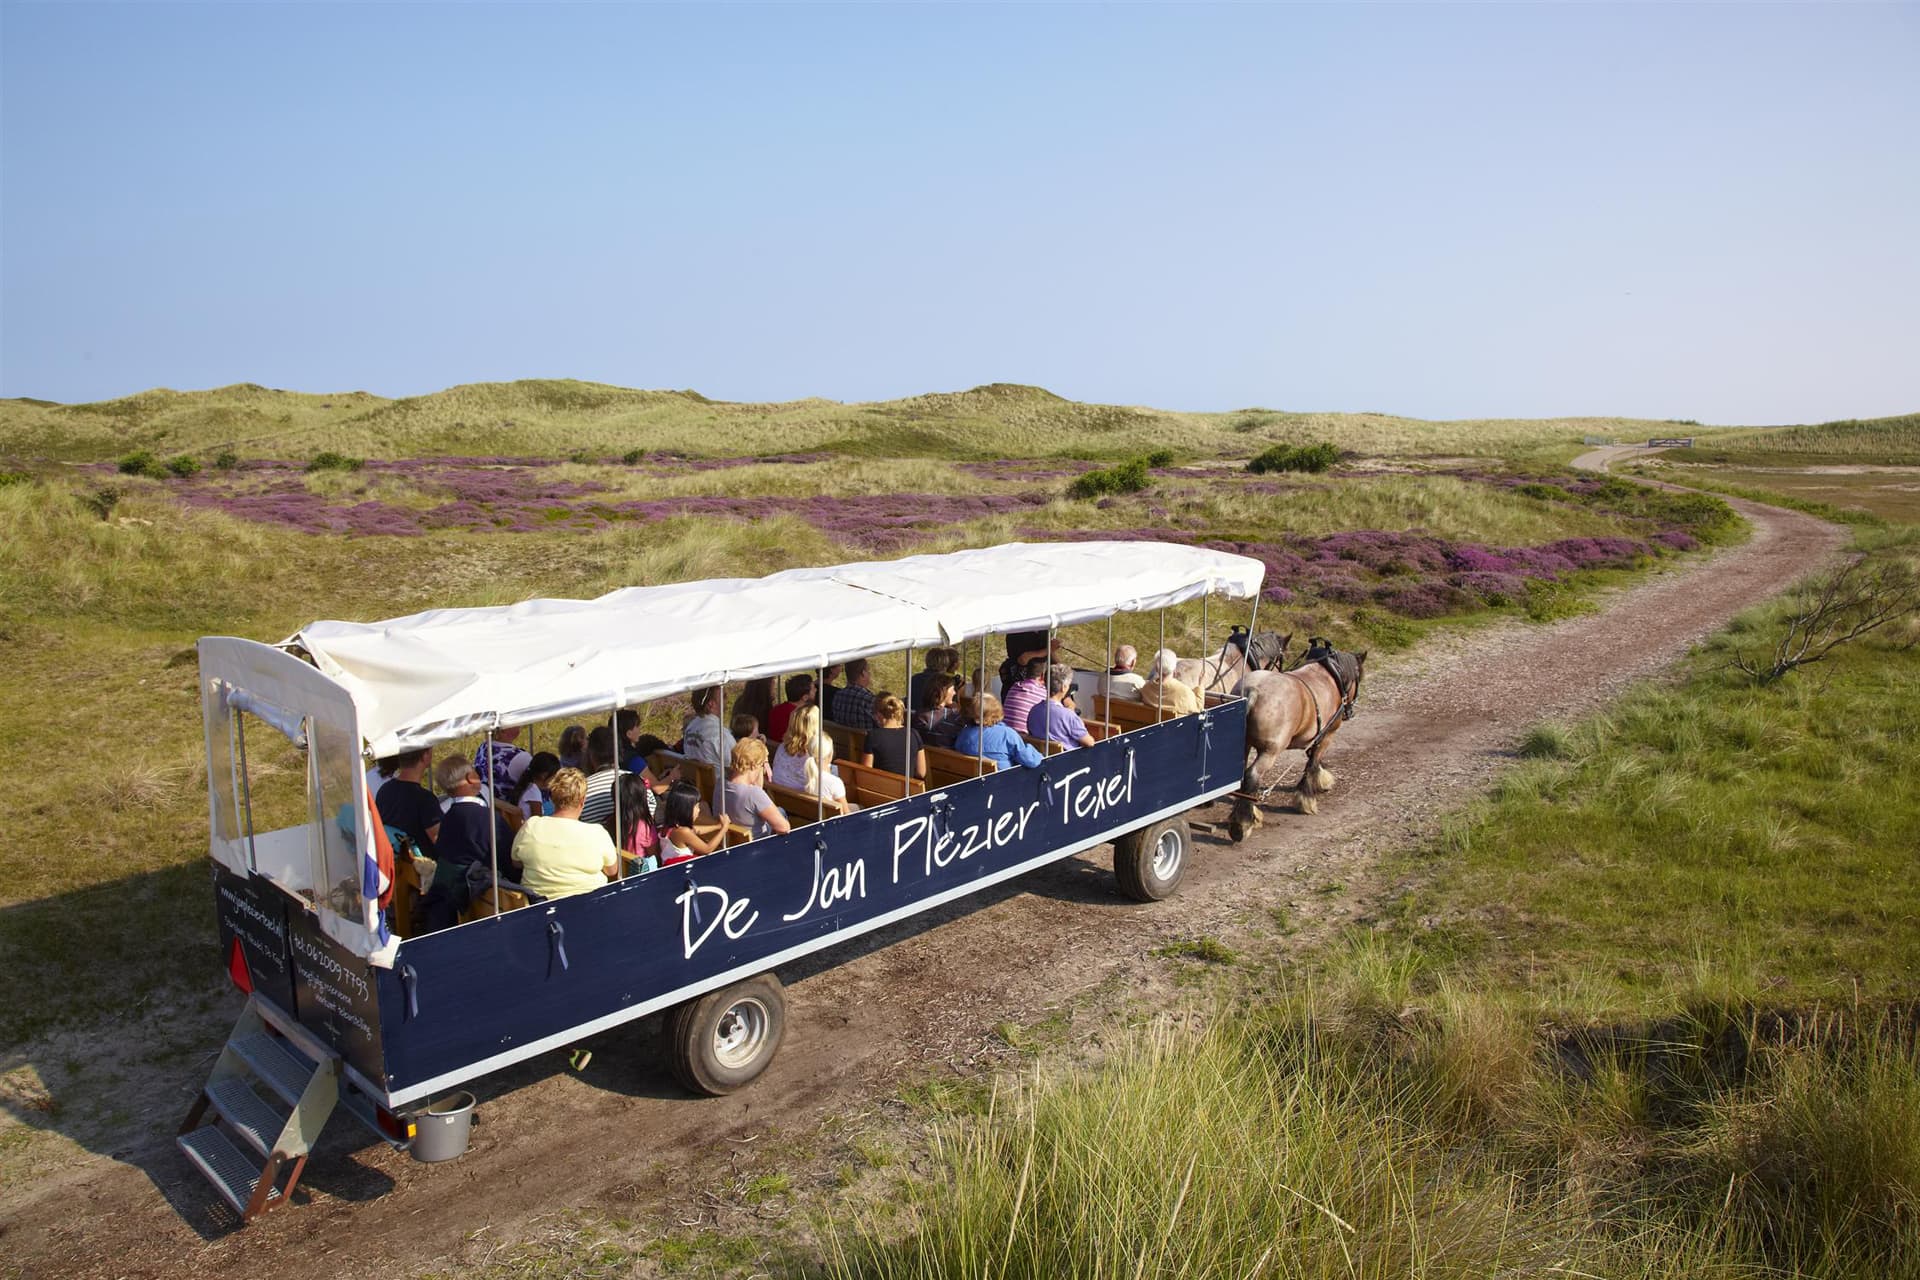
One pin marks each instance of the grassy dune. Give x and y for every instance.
(1874, 440)
(558, 418)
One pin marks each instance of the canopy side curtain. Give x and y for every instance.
(248, 689)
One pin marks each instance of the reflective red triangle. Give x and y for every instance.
(237, 968)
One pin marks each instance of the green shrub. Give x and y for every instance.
(1160, 458)
(14, 477)
(141, 462)
(103, 500)
(1128, 477)
(331, 461)
(183, 466)
(226, 460)
(1544, 492)
(632, 457)
(1295, 457)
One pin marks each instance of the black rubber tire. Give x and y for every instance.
(694, 1036)
(1134, 854)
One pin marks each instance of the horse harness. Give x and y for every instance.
(1345, 671)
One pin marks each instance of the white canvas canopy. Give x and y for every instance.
(448, 673)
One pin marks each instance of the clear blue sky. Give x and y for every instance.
(1703, 212)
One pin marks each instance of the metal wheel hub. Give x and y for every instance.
(740, 1033)
(1168, 851)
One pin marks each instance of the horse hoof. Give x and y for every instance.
(1236, 831)
(1308, 804)
(1325, 780)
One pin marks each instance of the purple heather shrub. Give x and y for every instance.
(1423, 599)
(1494, 588)
(1677, 540)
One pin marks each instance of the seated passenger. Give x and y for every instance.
(987, 735)
(745, 726)
(530, 792)
(562, 855)
(940, 661)
(467, 839)
(1028, 692)
(627, 727)
(805, 759)
(1053, 719)
(705, 737)
(601, 776)
(799, 694)
(496, 761)
(747, 801)
(406, 805)
(637, 817)
(938, 720)
(891, 745)
(679, 840)
(756, 699)
(853, 705)
(573, 747)
(828, 690)
(1162, 690)
(1122, 681)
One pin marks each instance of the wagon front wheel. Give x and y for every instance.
(1149, 862)
(723, 1040)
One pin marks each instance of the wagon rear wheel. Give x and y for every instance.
(1149, 862)
(724, 1039)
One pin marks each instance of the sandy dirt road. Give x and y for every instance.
(917, 999)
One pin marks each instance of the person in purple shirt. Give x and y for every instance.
(1053, 718)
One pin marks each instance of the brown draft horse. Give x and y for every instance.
(1297, 710)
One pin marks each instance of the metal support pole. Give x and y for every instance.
(819, 748)
(1106, 681)
(906, 732)
(246, 789)
(1046, 691)
(613, 720)
(1160, 712)
(493, 827)
(980, 730)
(724, 764)
(1220, 662)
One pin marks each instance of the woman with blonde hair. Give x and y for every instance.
(747, 800)
(805, 760)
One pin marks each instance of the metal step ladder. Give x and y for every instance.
(299, 1072)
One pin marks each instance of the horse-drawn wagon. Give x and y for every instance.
(343, 1014)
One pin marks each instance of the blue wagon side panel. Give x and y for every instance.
(469, 1000)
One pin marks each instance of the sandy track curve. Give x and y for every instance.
(918, 997)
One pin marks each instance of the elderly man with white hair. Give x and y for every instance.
(1162, 690)
(1120, 682)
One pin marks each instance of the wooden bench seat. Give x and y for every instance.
(946, 767)
(848, 743)
(867, 786)
(801, 807)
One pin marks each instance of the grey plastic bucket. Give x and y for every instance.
(441, 1131)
